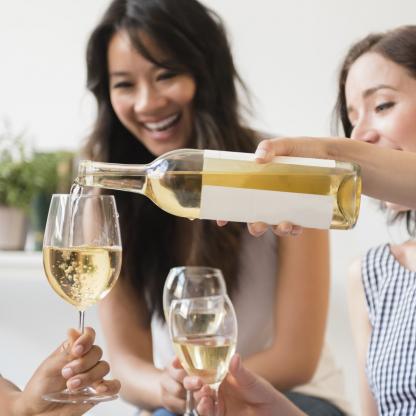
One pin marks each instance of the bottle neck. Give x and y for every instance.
(119, 177)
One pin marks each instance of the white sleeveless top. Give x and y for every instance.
(254, 305)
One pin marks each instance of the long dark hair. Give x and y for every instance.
(195, 39)
(399, 46)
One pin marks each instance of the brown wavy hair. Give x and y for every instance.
(399, 46)
(194, 36)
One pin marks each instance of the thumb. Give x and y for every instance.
(73, 335)
(65, 347)
(250, 387)
(243, 377)
(283, 146)
(177, 364)
(264, 152)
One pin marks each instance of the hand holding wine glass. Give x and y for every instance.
(82, 261)
(191, 282)
(77, 354)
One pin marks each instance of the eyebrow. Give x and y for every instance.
(118, 74)
(370, 91)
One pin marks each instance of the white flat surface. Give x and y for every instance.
(21, 264)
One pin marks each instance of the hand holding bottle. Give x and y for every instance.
(266, 150)
(297, 147)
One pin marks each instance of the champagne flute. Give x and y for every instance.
(204, 336)
(191, 282)
(82, 261)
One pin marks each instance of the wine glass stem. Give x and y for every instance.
(189, 409)
(81, 322)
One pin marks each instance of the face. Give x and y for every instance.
(153, 103)
(381, 102)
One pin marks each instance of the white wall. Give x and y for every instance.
(287, 51)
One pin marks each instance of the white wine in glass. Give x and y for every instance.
(82, 261)
(82, 275)
(204, 350)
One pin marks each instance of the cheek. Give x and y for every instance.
(402, 130)
(407, 131)
(184, 91)
(189, 93)
(120, 106)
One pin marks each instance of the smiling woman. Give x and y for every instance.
(153, 101)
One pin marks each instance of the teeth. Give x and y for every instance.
(161, 125)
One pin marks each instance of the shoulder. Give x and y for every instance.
(368, 274)
(354, 281)
(373, 265)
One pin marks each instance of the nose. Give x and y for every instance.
(364, 133)
(148, 99)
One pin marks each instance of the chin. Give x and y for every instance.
(159, 149)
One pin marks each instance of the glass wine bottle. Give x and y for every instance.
(220, 185)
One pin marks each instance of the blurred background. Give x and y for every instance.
(288, 52)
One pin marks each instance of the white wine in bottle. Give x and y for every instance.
(218, 185)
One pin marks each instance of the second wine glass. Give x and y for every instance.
(191, 282)
(204, 336)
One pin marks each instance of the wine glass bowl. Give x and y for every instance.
(82, 261)
(204, 335)
(192, 282)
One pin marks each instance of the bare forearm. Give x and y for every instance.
(140, 382)
(388, 175)
(283, 371)
(9, 397)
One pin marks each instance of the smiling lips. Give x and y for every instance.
(163, 124)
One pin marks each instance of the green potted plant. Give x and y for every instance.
(52, 174)
(27, 181)
(16, 189)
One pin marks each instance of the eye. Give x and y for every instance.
(166, 75)
(384, 106)
(122, 84)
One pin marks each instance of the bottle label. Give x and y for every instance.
(212, 159)
(272, 207)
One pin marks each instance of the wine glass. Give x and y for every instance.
(204, 336)
(191, 282)
(82, 261)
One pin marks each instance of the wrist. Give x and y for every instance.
(159, 396)
(333, 149)
(18, 406)
(341, 149)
